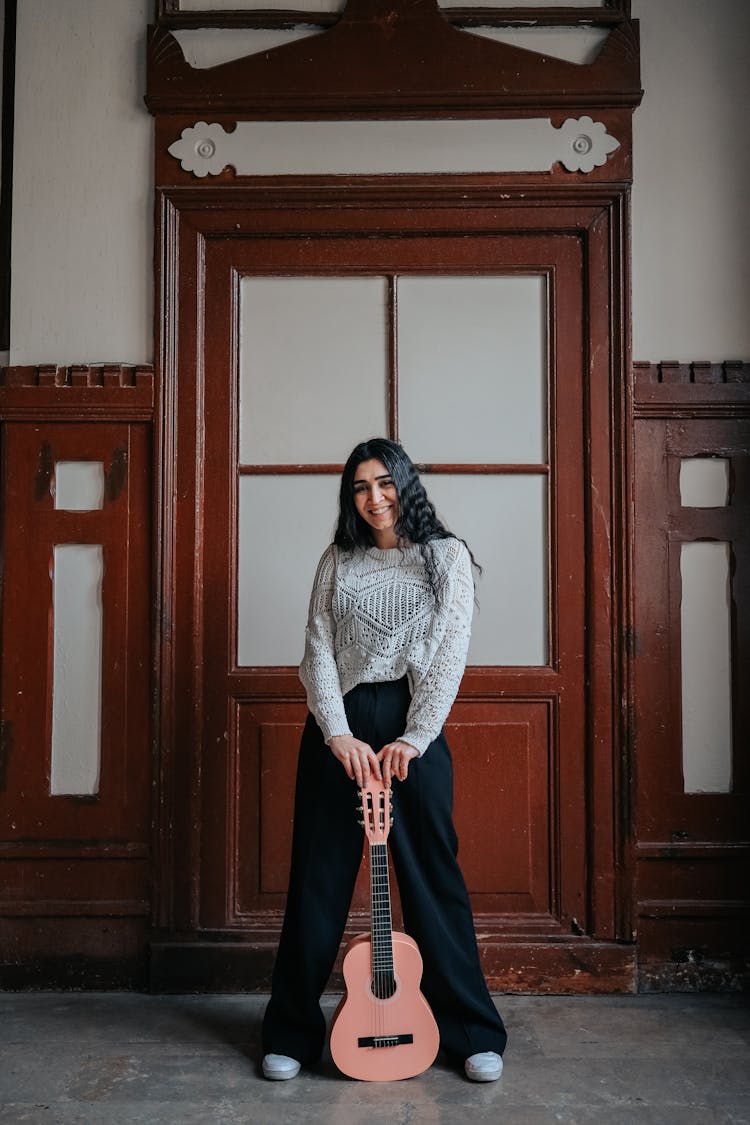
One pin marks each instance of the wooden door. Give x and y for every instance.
(255, 507)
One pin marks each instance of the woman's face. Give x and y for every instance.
(376, 501)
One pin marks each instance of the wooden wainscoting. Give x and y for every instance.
(692, 848)
(75, 869)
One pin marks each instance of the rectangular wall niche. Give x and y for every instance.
(706, 668)
(704, 482)
(77, 669)
(79, 486)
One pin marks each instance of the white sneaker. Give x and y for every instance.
(487, 1066)
(280, 1067)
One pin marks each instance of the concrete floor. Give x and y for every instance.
(130, 1059)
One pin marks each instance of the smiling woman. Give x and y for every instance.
(385, 649)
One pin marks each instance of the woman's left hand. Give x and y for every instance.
(394, 760)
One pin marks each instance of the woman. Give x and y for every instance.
(385, 650)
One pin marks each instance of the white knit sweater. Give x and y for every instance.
(374, 618)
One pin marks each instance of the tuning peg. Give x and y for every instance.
(390, 823)
(361, 822)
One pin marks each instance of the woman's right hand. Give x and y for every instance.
(358, 759)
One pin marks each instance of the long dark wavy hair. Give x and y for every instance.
(417, 521)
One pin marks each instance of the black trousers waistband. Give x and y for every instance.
(377, 712)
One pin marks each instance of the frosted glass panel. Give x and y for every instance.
(77, 669)
(472, 368)
(79, 485)
(504, 521)
(313, 367)
(704, 482)
(706, 668)
(502, 518)
(285, 524)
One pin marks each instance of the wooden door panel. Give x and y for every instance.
(501, 754)
(666, 811)
(501, 758)
(268, 737)
(75, 868)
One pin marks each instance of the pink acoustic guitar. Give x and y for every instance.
(383, 1028)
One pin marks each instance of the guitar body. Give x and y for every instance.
(365, 1029)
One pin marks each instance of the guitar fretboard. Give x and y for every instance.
(383, 983)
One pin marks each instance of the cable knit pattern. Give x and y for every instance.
(374, 618)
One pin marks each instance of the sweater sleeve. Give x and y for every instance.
(318, 671)
(434, 695)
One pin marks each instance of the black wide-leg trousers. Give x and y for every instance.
(326, 853)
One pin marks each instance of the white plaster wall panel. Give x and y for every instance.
(574, 44)
(78, 573)
(266, 5)
(206, 47)
(521, 4)
(691, 222)
(706, 667)
(282, 148)
(4, 355)
(82, 247)
(338, 5)
(212, 46)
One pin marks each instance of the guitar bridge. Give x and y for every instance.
(384, 1040)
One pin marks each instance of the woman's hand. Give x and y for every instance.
(395, 758)
(358, 759)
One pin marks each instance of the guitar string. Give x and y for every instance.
(383, 984)
(375, 987)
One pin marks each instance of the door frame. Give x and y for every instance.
(189, 220)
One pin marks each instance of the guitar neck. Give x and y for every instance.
(380, 900)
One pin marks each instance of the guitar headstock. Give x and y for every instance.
(376, 810)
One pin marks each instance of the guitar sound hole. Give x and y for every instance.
(383, 985)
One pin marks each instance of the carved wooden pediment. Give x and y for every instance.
(393, 58)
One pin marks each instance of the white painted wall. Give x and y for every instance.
(691, 221)
(82, 211)
(82, 274)
(82, 202)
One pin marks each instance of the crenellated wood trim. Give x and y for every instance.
(88, 392)
(696, 372)
(694, 389)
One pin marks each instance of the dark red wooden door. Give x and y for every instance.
(528, 736)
